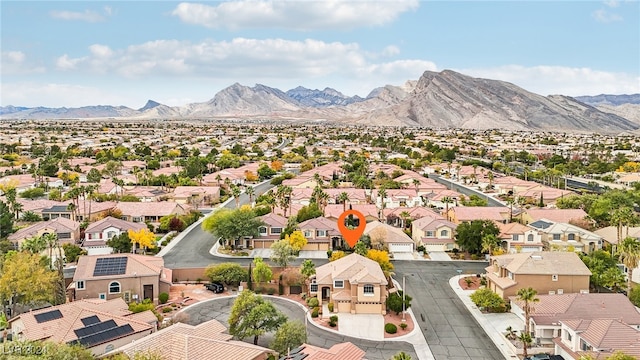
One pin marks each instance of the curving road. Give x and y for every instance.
(219, 309)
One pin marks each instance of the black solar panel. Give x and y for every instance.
(110, 266)
(104, 336)
(90, 320)
(48, 316)
(95, 328)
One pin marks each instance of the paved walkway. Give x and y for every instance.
(493, 324)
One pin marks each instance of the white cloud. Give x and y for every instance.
(56, 95)
(87, 15)
(604, 16)
(560, 80)
(612, 3)
(295, 15)
(17, 63)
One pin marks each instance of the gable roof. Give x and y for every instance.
(160, 208)
(342, 351)
(388, 233)
(70, 317)
(272, 219)
(556, 215)
(506, 230)
(136, 265)
(109, 221)
(607, 335)
(59, 225)
(321, 223)
(429, 223)
(353, 268)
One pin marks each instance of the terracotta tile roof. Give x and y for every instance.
(607, 335)
(276, 220)
(62, 329)
(109, 221)
(205, 341)
(470, 213)
(57, 225)
(160, 208)
(343, 351)
(428, 223)
(416, 212)
(137, 265)
(353, 268)
(334, 211)
(39, 205)
(552, 308)
(543, 262)
(389, 234)
(186, 191)
(556, 215)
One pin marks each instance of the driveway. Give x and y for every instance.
(360, 325)
(403, 256)
(263, 253)
(439, 256)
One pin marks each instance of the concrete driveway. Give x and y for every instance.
(439, 256)
(364, 326)
(403, 256)
(263, 253)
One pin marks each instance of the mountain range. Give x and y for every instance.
(444, 99)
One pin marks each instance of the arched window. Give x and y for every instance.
(571, 237)
(444, 233)
(530, 237)
(114, 287)
(108, 348)
(368, 289)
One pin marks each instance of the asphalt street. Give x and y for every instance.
(450, 330)
(465, 190)
(219, 309)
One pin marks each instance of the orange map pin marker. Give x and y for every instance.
(352, 235)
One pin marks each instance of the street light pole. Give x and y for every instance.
(403, 298)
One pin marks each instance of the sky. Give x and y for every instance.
(82, 53)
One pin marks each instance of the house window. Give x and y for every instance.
(444, 233)
(338, 284)
(136, 219)
(514, 237)
(313, 288)
(276, 230)
(554, 277)
(571, 237)
(568, 336)
(560, 291)
(64, 235)
(429, 234)
(127, 296)
(102, 296)
(262, 230)
(403, 203)
(108, 348)
(80, 285)
(556, 236)
(111, 234)
(321, 233)
(114, 287)
(368, 290)
(530, 237)
(307, 233)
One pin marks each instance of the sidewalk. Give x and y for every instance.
(493, 324)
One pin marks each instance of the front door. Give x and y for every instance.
(148, 292)
(325, 293)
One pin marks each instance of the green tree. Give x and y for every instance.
(401, 356)
(599, 262)
(233, 224)
(120, 244)
(30, 216)
(94, 176)
(361, 248)
(72, 252)
(282, 253)
(629, 255)
(487, 299)
(251, 315)
(261, 271)
(634, 295)
(529, 297)
(228, 273)
(619, 355)
(25, 279)
(307, 268)
(490, 242)
(469, 235)
(307, 212)
(288, 337)
(395, 301)
(6, 221)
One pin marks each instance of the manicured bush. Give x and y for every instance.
(390, 328)
(330, 306)
(333, 320)
(314, 312)
(313, 302)
(271, 291)
(403, 326)
(163, 297)
(167, 309)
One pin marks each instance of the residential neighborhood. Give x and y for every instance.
(136, 243)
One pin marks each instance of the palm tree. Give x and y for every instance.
(447, 200)
(416, 183)
(283, 194)
(343, 198)
(51, 240)
(236, 192)
(528, 295)
(623, 216)
(629, 255)
(323, 201)
(489, 242)
(382, 193)
(401, 356)
(318, 179)
(490, 177)
(251, 192)
(404, 216)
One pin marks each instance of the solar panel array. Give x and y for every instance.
(110, 266)
(295, 354)
(95, 328)
(105, 336)
(48, 316)
(90, 320)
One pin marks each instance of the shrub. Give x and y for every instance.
(314, 312)
(330, 306)
(634, 295)
(271, 291)
(421, 248)
(167, 309)
(390, 328)
(333, 320)
(259, 290)
(474, 257)
(487, 299)
(313, 302)
(163, 297)
(403, 326)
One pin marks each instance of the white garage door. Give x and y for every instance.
(401, 247)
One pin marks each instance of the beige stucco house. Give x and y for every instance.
(354, 284)
(128, 276)
(546, 271)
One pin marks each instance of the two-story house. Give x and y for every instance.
(516, 237)
(196, 195)
(150, 211)
(460, 214)
(545, 271)
(392, 238)
(596, 339)
(129, 276)
(98, 233)
(270, 231)
(67, 231)
(321, 234)
(435, 234)
(563, 236)
(354, 284)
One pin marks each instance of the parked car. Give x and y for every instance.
(215, 287)
(539, 357)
